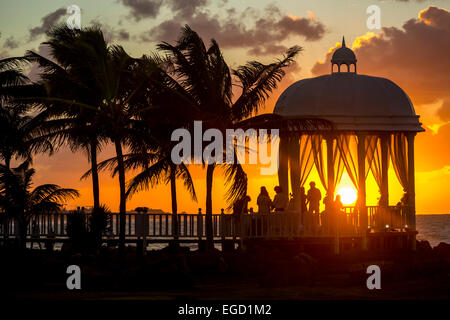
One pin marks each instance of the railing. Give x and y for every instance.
(270, 226)
(158, 225)
(274, 225)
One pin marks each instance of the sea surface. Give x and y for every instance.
(434, 228)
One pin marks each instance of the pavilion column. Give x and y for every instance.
(283, 158)
(331, 188)
(411, 188)
(330, 166)
(384, 189)
(294, 167)
(363, 221)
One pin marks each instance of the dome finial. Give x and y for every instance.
(343, 56)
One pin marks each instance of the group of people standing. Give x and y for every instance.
(308, 204)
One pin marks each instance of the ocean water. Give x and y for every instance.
(433, 227)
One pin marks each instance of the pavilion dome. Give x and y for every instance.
(351, 101)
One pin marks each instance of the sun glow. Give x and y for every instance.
(348, 195)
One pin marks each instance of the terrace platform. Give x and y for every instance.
(388, 230)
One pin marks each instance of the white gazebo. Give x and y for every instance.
(373, 122)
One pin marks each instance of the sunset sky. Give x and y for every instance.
(412, 49)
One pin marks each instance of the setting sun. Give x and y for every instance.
(348, 195)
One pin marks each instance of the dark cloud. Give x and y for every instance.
(110, 33)
(140, 9)
(186, 8)
(415, 56)
(123, 35)
(10, 43)
(269, 28)
(436, 17)
(47, 21)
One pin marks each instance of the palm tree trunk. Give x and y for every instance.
(122, 206)
(6, 215)
(208, 216)
(8, 162)
(173, 190)
(94, 170)
(22, 221)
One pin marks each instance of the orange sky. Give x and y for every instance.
(412, 49)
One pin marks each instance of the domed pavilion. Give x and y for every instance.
(373, 124)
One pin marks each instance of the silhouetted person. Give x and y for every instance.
(281, 200)
(291, 205)
(302, 203)
(314, 196)
(337, 211)
(302, 196)
(241, 206)
(338, 203)
(327, 214)
(264, 202)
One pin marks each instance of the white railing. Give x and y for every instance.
(274, 225)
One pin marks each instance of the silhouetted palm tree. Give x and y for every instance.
(150, 132)
(16, 125)
(21, 202)
(205, 77)
(14, 135)
(157, 167)
(67, 80)
(104, 91)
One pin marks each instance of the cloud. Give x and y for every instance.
(444, 111)
(10, 43)
(34, 72)
(186, 8)
(123, 35)
(141, 9)
(415, 56)
(110, 33)
(269, 29)
(46, 23)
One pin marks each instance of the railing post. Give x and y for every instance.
(222, 228)
(242, 229)
(199, 225)
(146, 231)
(362, 189)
